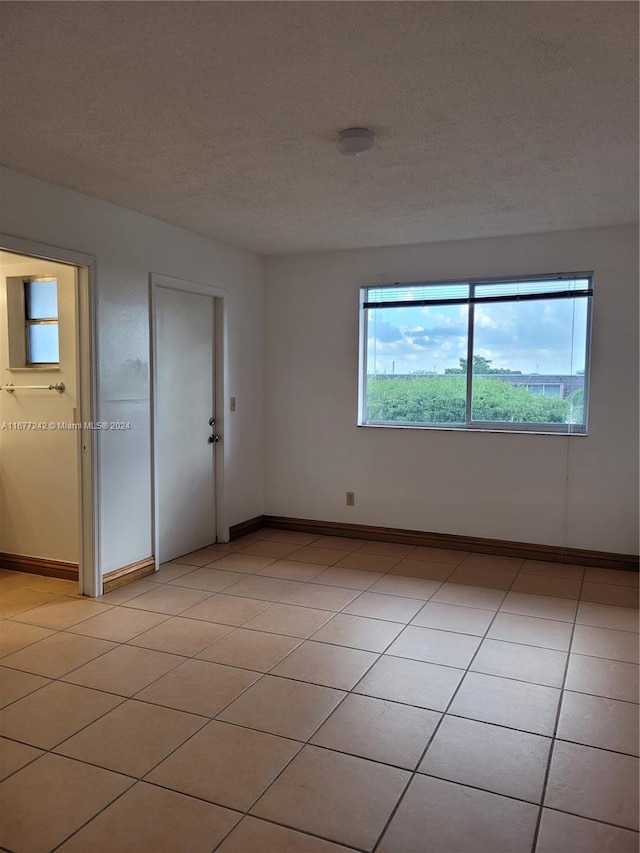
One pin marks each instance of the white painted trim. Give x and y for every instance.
(219, 294)
(88, 498)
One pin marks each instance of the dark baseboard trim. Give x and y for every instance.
(128, 574)
(39, 566)
(244, 527)
(502, 547)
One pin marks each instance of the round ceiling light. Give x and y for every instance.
(356, 141)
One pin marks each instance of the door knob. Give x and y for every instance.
(212, 421)
(213, 439)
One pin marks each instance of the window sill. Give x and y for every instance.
(34, 369)
(474, 430)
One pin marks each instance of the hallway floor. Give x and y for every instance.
(289, 693)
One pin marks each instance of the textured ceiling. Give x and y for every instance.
(493, 118)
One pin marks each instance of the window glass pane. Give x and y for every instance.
(42, 343)
(416, 364)
(41, 299)
(529, 361)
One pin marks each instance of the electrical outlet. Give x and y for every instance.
(351, 498)
(232, 404)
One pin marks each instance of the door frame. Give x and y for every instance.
(220, 378)
(89, 579)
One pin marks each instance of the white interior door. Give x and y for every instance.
(185, 397)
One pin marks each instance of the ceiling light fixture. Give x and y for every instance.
(356, 141)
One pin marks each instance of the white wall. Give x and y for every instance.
(128, 247)
(39, 468)
(504, 486)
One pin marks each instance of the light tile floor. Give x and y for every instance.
(290, 693)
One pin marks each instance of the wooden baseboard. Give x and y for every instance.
(244, 527)
(502, 547)
(128, 574)
(39, 566)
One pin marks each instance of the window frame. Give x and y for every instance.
(469, 424)
(43, 321)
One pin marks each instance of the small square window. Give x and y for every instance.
(41, 321)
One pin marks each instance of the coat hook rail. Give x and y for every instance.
(10, 387)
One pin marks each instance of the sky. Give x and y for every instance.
(542, 336)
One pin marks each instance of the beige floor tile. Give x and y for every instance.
(253, 650)
(379, 730)
(624, 596)
(554, 587)
(600, 677)
(449, 818)
(19, 600)
(321, 556)
(226, 609)
(451, 617)
(612, 576)
(208, 579)
(58, 586)
(408, 587)
(132, 738)
(15, 636)
(289, 620)
(386, 549)
(516, 704)
(490, 578)
(368, 562)
(521, 662)
(291, 570)
(196, 558)
(433, 646)
(14, 756)
(469, 596)
(489, 757)
(531, 631)
(279, 706)
(62, 613)
(595, 721)
(605, 643)
(292, 537)
(68, 794)
(492, 561)
(321, 597)
(413, 568)
(225, 764)
(348, 578)
(346, 544)
(119, 624)
(540, 606)
(198, 687)
(547, 569)
(413, 682)
(124, 670)
(170, 572)
(358, 632)
(14, 684)
(180, 636)
(392, 608)
(129, 591)
(243, 563)
(566, 833)
(169, 599)
(259, 836)
(56, 655)
(269, 548)
(331, 666)
(608, 616)
(263, 588)
(148, 819)
(46, 718)
(439, 555)
(339, 797)
(594, 783)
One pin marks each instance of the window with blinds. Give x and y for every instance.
(506, 354)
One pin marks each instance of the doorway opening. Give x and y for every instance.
(188, 382)
(47, 444)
